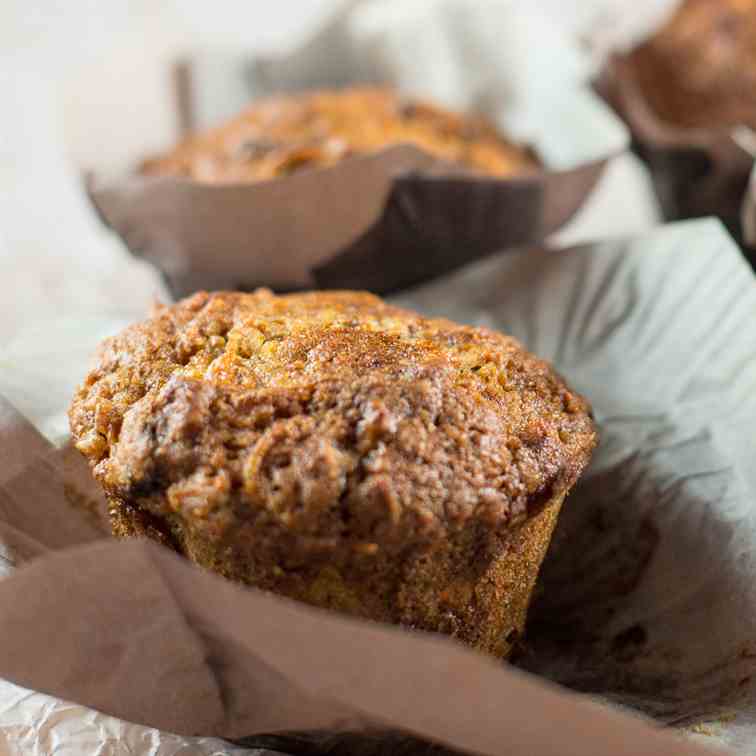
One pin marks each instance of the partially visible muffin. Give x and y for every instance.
(339, 451)
(699, 70)
(278, 136)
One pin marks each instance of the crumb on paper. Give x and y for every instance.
(704, 728)
(712, 728)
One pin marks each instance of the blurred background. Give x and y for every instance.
(91, 86)
(107, 63)
(85, 85)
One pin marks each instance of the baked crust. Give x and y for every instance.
(339, 450)
(278, 136)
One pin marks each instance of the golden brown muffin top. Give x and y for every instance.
(331, 417)
(278, 136)
(699, 70)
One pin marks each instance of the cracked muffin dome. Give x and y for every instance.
(340, 451)
(281, 135)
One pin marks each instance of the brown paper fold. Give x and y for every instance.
(383, 222)
(696, 172)
(48, 500)
(166, 644)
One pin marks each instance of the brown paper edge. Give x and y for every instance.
(125, 205)
(504, 710)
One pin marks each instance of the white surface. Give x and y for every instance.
(623, 203)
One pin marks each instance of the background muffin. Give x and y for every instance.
(278, 136)
(699, 70)
(340, 451)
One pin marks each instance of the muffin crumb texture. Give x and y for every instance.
(279, 136)
(340, 451)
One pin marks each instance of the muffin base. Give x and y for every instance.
(475, 586)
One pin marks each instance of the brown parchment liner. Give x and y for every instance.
(137, 632)
(382, 222)
(696, 172)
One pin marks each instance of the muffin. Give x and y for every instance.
(282, 135)
(699, 70)
(336, 450)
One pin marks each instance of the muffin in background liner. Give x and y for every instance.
(696, 172)
(394, 218)
(700, 155)
(381, 222)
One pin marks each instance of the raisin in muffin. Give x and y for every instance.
(279, 136)
(337, 450)
(699, 70)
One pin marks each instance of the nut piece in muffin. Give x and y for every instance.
(337, 450)
(699, 70)
(279, 136)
